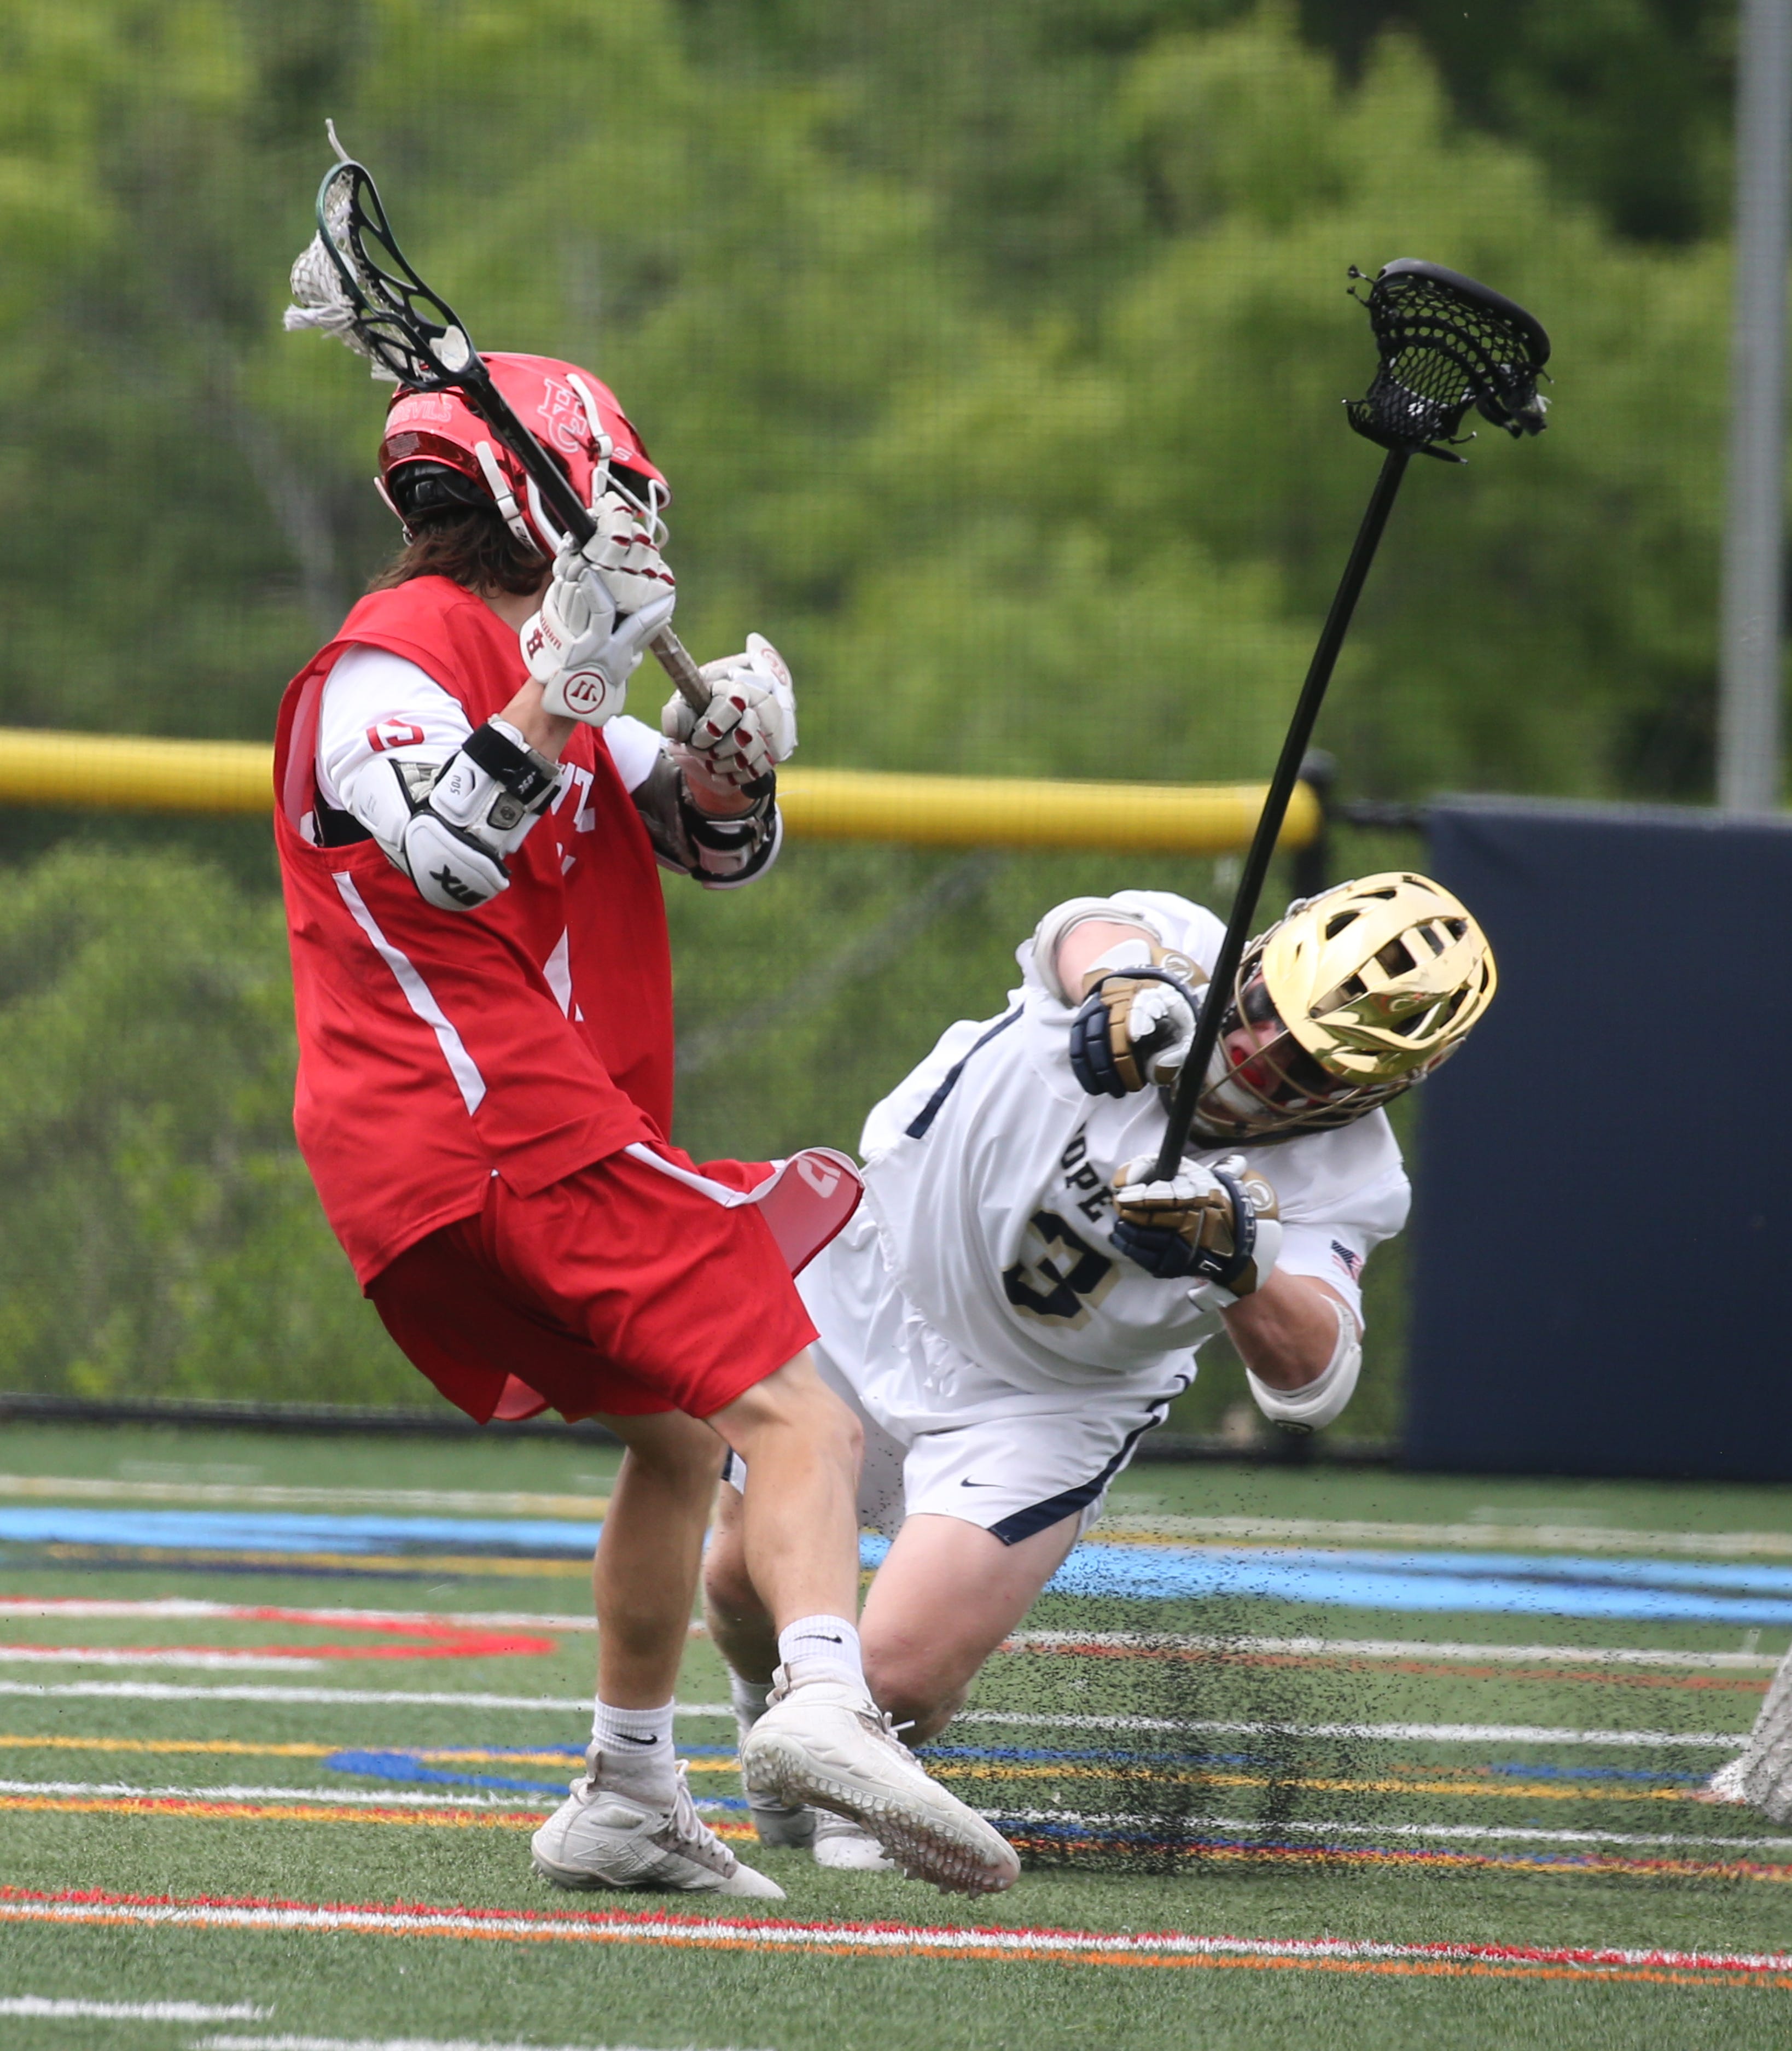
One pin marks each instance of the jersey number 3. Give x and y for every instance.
(1059, 1276)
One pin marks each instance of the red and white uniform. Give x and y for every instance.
(519, 1045)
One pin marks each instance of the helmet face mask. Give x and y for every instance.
(573, 415)
(1342, 1005)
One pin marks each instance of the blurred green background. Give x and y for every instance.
(995, 355)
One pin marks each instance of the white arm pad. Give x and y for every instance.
(466, 815)
(1050, 933)
(1322, 1402)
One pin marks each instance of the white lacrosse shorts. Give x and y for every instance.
(945, 1437)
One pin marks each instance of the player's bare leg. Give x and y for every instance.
(947, 1594)
(628, 1820)
(822, 1740)
(741, 1630)
(801, 1530)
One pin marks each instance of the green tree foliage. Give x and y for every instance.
(161, 1234)
(995, 355)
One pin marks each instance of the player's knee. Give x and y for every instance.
(672, 1449)
(728, 1588)
(923, 1700)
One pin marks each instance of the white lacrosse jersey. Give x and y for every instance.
(989, 1172)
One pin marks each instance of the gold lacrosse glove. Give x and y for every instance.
(1218, 1222)
(1136, 1023)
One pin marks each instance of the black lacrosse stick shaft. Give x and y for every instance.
(1446, 343)
(483, 395)
(1192, 1080)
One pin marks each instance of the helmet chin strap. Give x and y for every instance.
(498, 486)
(391, 504)
(600, 476)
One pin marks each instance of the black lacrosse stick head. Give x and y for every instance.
(1446, 343)
(408, 330)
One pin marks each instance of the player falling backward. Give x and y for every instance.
(468, 832)
(1018, 1300)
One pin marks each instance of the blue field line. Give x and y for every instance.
(413, 1768)
(1519, 1769)
(1515, 1584)
(408, 1768)
(275, 1531)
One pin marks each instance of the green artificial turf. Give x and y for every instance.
(355, 1987)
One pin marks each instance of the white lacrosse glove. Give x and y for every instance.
(1219, 1224)
(625, 552)
(606, 603)
(729, 750)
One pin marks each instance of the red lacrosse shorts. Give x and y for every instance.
(617, 1291)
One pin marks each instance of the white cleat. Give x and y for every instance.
(1726, 1783)
(824, 1743)
(777, 1824)
(783, 1828)
(599, 1837)
(841, 1846)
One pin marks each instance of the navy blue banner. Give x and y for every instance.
(1605, 1184)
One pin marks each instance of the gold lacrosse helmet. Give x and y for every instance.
(1351, 998)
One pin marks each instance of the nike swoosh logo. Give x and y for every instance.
(628, 1738)
(979, 1484)
(821, 1638)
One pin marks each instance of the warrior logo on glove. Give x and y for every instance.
(605, 604)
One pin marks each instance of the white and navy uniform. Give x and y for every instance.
(1005, 1357)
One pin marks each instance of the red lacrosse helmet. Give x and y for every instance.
(437, 452)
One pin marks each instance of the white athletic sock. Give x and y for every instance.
(749, 1699)
(636, 1749)
(827, 1645)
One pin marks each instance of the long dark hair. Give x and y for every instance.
(471, 545)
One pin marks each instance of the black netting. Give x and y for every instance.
(1447, 344)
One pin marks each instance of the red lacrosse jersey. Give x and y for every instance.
(526, 1038)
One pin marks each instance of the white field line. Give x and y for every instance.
(223, 1659)
(173, 1691)
(240, 1495)
(1125, 1528)
(1248, 1826)
(130, 2011)
(1262, 1828)
(1379, 1733)
(664, 1927)
(386, 2044)
(1394, 1648)
(177, 1607)
(166, 1691)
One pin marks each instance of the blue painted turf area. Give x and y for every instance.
(1517, 1584)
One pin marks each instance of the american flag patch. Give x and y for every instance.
(1347, 1258)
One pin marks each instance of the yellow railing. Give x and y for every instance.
(128, 773)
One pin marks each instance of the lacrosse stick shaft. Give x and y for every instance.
(1190, 1084)
(677, 661)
